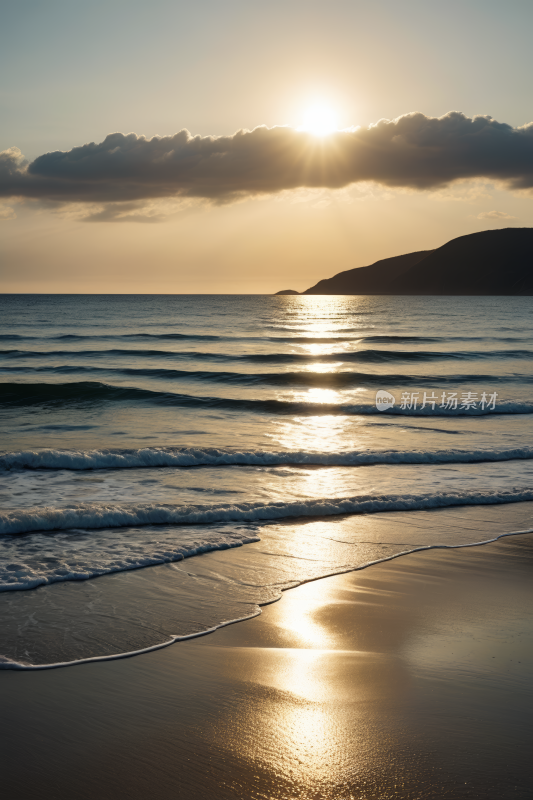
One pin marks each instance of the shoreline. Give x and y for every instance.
(408, 680)
(11, 665)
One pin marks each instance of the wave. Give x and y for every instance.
(94, 516)
(370, 356)
(212, 457)
(171, 336)
(347, 335)
(13, 337)
(331, 380)
(399, 339)
(89, 392)
(110, 336)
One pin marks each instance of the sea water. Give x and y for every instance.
(144, 430)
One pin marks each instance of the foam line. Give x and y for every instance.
(8, 664)
(94, 516)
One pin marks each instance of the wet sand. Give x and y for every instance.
(410, 679)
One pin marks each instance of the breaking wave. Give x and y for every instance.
(120, 458)
(94, 516)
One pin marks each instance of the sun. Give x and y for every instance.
(320, 120)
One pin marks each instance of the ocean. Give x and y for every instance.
(169, 464)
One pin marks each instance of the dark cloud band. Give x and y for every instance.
(412, 151)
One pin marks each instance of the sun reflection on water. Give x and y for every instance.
(323, 367)
(339, 323)
(318, 395)
(324, 348)
(320, 433)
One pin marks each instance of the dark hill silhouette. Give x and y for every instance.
(498, 262)
(368, 280)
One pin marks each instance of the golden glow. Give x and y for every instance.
(306, 677)
(321, 323)
(317, 395)
(324, 367)
(320, 120)
(297, 614)
(324, 432)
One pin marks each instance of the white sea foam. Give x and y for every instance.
(197, 457)
(40, 559)
(105, 515)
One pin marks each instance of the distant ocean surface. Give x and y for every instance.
(142, 430)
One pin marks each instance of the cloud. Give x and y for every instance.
(470, 191)
(126, 212)
(414, 152)
(6, 212)
(497, 215)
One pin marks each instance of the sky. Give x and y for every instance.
(295, 139)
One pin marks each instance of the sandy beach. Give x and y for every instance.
(410, 679)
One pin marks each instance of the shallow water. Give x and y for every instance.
(137, 431)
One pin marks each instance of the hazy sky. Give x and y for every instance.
(272, 209)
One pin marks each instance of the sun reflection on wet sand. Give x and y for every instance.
(312, 687)
(333, 695)
(296, 615)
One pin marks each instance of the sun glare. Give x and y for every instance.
(319, 120)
